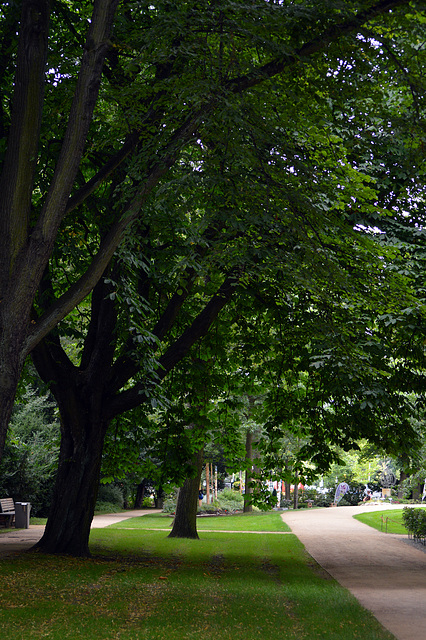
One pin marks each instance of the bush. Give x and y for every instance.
(317, 498)
(227, 500)
(110, 494)
(106, 507)
(324, 500)
(28, 466)
(148, 502)
(230, 500)
(415, 521)
(169, 504)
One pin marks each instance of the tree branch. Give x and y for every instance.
(178, 350)
(316, 45)
(80, 289)
(43, 237)
(91, 185)
(17, 178)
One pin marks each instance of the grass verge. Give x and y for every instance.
(240, 522)
(386, 521)
(141, 585)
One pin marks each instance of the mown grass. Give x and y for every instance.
(141, 585)
(239, 522)
(386, 521)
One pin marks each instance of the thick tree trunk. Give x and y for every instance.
(76, 487)
(24, 253)
(185, 522)
(81, 394)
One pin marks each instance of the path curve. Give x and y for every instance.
(385, 572)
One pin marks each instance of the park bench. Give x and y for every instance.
(7, 512)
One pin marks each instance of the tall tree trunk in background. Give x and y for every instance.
(207, 483)
(185, 522)
(296, 491)
(248, 507)
(287, 488)
(140, 494)
(159, 497)
(402, 476)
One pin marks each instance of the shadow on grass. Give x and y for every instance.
(141, 584)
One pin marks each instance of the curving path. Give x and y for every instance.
(385, 572)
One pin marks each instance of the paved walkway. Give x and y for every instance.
(385, 572)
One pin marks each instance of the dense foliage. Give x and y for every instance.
(28, 467)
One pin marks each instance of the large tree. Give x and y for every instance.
(168, 69)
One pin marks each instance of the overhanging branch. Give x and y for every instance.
(178, 350)
(182, 136)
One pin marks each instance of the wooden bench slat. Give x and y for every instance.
(7, 504)
(7, 512)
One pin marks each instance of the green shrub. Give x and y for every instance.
(106, 507)
(227, 500)
(230, 494)
(317, 498)
(28, 466)
(169, 504)
(148, 502)
(112, 494)
(415, 521)
(230, 500)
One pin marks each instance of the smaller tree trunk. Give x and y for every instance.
(287, 489)
(417, 492)
(208, 483)
(159, 497)
(185, 522)
(248, 490)
(296, 492)
(403, 476)
(140, 494)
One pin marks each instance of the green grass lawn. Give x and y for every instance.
(377, 520)
(141, 585)
(240, 522)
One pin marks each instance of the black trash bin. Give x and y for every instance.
(22, 515)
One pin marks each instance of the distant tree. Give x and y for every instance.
(28, 468)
